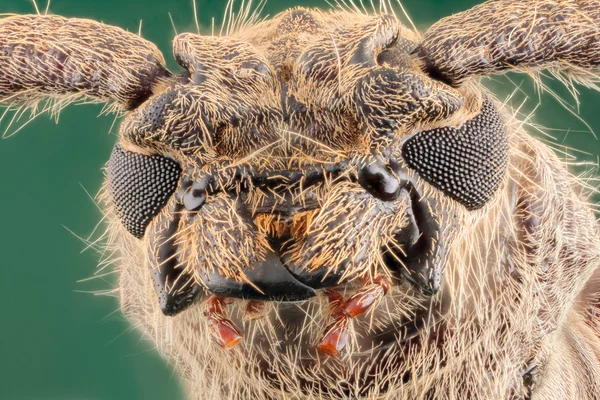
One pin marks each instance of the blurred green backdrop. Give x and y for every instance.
(57, 342)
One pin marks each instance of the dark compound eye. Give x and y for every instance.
(467, 163)
(140, 186)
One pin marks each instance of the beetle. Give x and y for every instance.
(327, 204)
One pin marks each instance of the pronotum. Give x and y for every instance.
(328, 204)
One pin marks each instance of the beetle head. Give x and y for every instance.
(271, 171)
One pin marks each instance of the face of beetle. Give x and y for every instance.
(288, 169)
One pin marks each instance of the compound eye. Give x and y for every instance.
(466, 163)
(140, 186)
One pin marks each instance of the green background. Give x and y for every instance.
(59, 343)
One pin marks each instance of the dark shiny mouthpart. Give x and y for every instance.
(272, 279)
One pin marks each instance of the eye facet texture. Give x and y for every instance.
(140, 186)
(466, 163)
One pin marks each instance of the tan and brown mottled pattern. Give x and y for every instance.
(517, 314)
(49, 55)
(503, 35)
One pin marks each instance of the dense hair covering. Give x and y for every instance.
(52, 56)
(328, 205)
(559, 35)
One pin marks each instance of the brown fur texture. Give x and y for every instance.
(67, 59)
(516, 316)
(558, 35)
